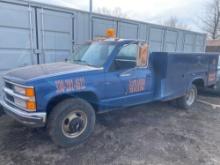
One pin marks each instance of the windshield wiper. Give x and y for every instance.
(80, 61)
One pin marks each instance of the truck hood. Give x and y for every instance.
(46, 70)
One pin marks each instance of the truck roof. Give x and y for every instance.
(115, 40)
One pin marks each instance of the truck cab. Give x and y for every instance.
(102, 75)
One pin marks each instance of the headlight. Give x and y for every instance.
(27, 100)
(19, 90)
(24, 91)
(20, 102)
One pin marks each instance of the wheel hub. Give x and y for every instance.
(76, 125)
(190, 97)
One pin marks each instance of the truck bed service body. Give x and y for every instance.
(103, 75)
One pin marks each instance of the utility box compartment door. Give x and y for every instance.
(174, 72)
(55, 34)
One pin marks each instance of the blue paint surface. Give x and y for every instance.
(167, 76)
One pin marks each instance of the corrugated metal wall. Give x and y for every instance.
(34, 33)
(100, 25)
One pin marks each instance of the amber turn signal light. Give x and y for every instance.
(31, 105)
(29, 92)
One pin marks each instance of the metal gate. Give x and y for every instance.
(55, 35)
(18, 39)
(189, 40)
(156, 39)
(127, 30)
(33, 35)
(170, 41)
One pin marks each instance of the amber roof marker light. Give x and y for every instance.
(110, 33)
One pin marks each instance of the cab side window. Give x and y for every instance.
(126, 58)
(128, 52)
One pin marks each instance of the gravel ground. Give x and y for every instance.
(154, 134)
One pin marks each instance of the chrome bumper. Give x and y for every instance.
(34, 119)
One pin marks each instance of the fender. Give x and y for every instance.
(89, 95)
(195, 79)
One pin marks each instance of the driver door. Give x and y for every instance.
(125, 82)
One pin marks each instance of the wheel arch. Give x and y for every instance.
(199, 82)
(88, 96)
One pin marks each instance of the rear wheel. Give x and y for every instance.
(71, 122)
(189, 99)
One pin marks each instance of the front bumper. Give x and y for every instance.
(33, 119)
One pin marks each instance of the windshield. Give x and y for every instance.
(94, 54)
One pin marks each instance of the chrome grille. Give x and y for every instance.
(8, 85)
(9, 94)
(9, 97)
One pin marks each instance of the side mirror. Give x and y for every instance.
(143, 54)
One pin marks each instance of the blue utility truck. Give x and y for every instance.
(103, 75)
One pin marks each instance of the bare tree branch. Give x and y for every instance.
(116, 12)
(174, 22)
(211, 19)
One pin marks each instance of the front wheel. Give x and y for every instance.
(71, 122)
(189, 99)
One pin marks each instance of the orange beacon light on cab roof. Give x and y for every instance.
(110, 33)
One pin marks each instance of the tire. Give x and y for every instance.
(64, 122)
(189, 99)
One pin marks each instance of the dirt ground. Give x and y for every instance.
(154, 134)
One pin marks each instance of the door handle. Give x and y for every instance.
(125, 75)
